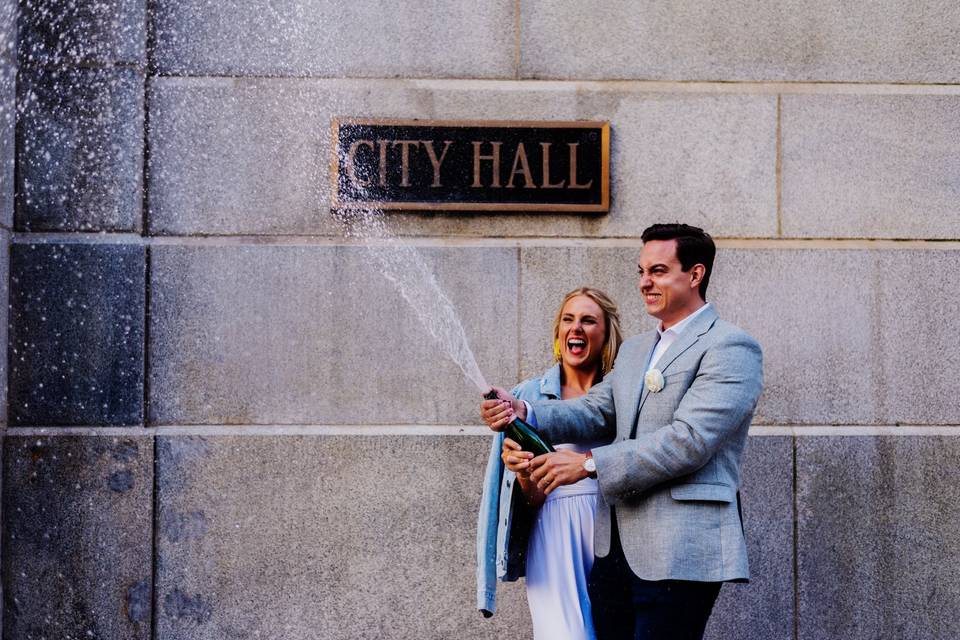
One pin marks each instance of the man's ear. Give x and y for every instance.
(696, 274)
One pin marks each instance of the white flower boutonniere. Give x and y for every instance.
(654, 380)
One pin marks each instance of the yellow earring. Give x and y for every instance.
(556, 349)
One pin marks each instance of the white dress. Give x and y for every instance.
(559, 559)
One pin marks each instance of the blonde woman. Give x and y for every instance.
(548, 539)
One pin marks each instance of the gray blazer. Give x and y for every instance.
(673, 469)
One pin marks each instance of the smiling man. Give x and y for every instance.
(677, 407)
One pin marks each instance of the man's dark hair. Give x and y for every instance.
(694, 246)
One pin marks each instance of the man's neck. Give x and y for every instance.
(664, 325)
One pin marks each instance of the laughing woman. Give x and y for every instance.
(549, 539)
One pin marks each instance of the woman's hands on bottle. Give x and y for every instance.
(497, 414)
(515, 459)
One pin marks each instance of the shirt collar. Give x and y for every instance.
(678, 328)
(550, 382)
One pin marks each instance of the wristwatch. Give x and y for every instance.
(590, 465)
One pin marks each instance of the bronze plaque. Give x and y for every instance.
(470, 166)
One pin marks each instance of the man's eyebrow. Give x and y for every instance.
(654, 266)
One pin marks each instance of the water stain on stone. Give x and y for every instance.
(121, 481)
(177, 527)
(125, 451)
(181, 606)
(138, 601)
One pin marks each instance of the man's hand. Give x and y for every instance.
(552, 470)
(501, 412)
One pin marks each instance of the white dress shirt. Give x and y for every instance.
(669, 336)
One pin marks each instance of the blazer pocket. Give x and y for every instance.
(704, 492)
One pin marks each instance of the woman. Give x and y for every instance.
(548, 538)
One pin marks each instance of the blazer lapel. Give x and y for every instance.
(698, 326)
(638, 390)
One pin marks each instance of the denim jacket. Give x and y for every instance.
(504, 521)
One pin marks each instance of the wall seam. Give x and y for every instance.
(779, 166)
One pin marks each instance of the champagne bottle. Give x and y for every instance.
(524, 435)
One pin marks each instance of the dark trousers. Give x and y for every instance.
(628, 608)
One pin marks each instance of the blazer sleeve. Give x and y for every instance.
(588, 418)
(717, 405)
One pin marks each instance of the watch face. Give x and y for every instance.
(590, 465)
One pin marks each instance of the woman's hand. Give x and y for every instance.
(515, 459)
(501, 412)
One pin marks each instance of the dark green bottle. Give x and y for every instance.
(524, 435)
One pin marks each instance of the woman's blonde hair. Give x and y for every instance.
(611, 315)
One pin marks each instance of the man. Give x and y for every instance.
(677, 406)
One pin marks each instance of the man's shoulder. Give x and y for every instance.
(727, 332)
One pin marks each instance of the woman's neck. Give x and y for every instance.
(576, 382)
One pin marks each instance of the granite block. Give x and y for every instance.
(877, 538)
(4, 319)
(824, 318)
(9, 11)
(83, 32)
(8, 123)
(80, 151)
(292, 537)
(409, 38)
(77, 537)
(763, 608)
(812, 40)
(252, 156)
(76, 334)
(317, 334)
(873, 166)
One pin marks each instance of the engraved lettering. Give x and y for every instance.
(432, 154)
(573, 168)
(405, 159)
(521, 159)
(546, 184)
(383, 161)
(351, 162)
(493, 157)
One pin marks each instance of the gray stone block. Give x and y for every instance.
(874, 166)
(252, 156)
(763, 608)
(8, 30)
(823, 317)
(83, 32)
(77, 537)
(877, 537)
(316, 334)
(4, 319)
(808, 41)
(411, 38)
(76, 334)
(292, 537)
(80, 154)
(8, 121)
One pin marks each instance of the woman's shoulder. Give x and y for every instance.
(543, 387)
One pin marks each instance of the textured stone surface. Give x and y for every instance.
(877, 537)
(763, 608)
(875, 166)
(83, 32)
(77, 537)
(300, 334)
(8, 120)
(76, 334)
(830, 356)
(80, 155)
(8, 29)
(411, 38)
(252, 156)
(276, 537)
(689, 40)
(4, 318)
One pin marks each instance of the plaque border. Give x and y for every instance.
(602, 207)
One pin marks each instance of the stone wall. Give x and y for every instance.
(224, 423)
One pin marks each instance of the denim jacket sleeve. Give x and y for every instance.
(487, 530)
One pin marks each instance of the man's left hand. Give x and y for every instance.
(552, 470)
